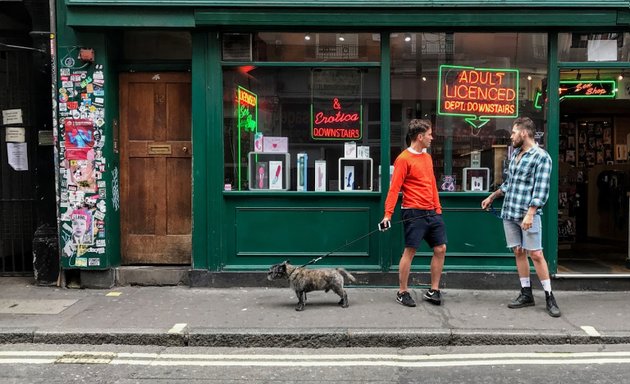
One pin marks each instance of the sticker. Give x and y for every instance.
(82, 226)
(102, 206)
(100, 243)
(94, 262)
(102, 193)
(98, 75)
(80, 261)
(101, 184)
(73, 105)
(99, 215)
(68, 62)
(64, 71)
(67, 84)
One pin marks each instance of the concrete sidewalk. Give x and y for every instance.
(265, 317)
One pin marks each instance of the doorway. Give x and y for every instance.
(594, 172)
(156, 169)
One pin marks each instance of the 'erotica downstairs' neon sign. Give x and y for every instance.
(333, 123)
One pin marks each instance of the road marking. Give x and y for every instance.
(336, 360)
(177, 328)
(591, 331)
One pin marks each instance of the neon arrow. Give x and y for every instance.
(477, 122)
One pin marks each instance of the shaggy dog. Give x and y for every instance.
(303, 280)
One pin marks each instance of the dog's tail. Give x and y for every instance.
(347, 274)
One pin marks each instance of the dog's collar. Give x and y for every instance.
(291, 274)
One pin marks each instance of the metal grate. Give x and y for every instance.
(16, 237)
(17, 188)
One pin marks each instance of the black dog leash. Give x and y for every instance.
(315, 260)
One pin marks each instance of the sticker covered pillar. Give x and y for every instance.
(88, 172)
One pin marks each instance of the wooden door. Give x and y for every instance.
(155, 168)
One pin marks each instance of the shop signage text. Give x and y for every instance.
(247, 110)
(334, 122)
(589, 88)
(477, 94)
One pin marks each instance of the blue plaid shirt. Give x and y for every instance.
(527, 183)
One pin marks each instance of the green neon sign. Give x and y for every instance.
(478, 94)
(247, 119)
(582, 89)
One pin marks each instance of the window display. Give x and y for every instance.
(298, 122)
(471, 86)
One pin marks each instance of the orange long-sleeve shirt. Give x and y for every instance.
(413, 174)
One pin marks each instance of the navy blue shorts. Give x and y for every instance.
(422, 224)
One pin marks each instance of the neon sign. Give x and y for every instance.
(477, 94)
(247, 118)
(330, 121)
(581, 89)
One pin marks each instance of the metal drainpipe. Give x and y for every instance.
(55, 123)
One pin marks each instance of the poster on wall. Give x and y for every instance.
(336, 104)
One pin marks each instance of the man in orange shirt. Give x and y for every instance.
(420, 208)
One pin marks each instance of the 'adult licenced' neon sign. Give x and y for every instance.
(477, 94)
(331, 121)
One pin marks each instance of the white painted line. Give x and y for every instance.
(403, 364)
(177, 328)
(591, 331)
(308, 360)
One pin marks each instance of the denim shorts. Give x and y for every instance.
(422, 224)
(530, 240)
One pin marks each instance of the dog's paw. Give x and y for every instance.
(343, 303)
(300, 307)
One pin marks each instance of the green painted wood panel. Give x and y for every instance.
(420, 18)
(364, 3)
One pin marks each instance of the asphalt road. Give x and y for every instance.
(593, 364)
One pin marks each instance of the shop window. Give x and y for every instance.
(301, 129)
(590, 47)
(301, 47)
(471, 86)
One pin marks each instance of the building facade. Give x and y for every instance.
(227, 136)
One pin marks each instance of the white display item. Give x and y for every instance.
(350, 150)
(348, 178)
(302, 171)
(476, 179)
(275, 174)
(320, 175)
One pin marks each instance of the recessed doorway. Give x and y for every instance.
(594, 172)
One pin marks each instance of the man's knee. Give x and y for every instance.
(536, 255)
(439, 250)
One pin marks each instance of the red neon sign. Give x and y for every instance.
(335, 124)
(478, 93)
(246, 98)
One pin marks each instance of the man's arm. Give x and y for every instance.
(487, 202)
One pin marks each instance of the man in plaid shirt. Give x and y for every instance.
(526, 191)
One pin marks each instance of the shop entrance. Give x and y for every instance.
(594, 172)
(155, 165)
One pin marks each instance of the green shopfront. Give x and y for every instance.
(228, 136)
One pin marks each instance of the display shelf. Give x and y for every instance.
(349, 169)
(269, 171)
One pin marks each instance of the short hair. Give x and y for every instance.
(416, 127)
(526, 124)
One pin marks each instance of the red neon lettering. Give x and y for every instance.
(481, 77)
(340, 117)
(246, 98)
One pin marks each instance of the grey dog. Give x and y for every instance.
(303, 280)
